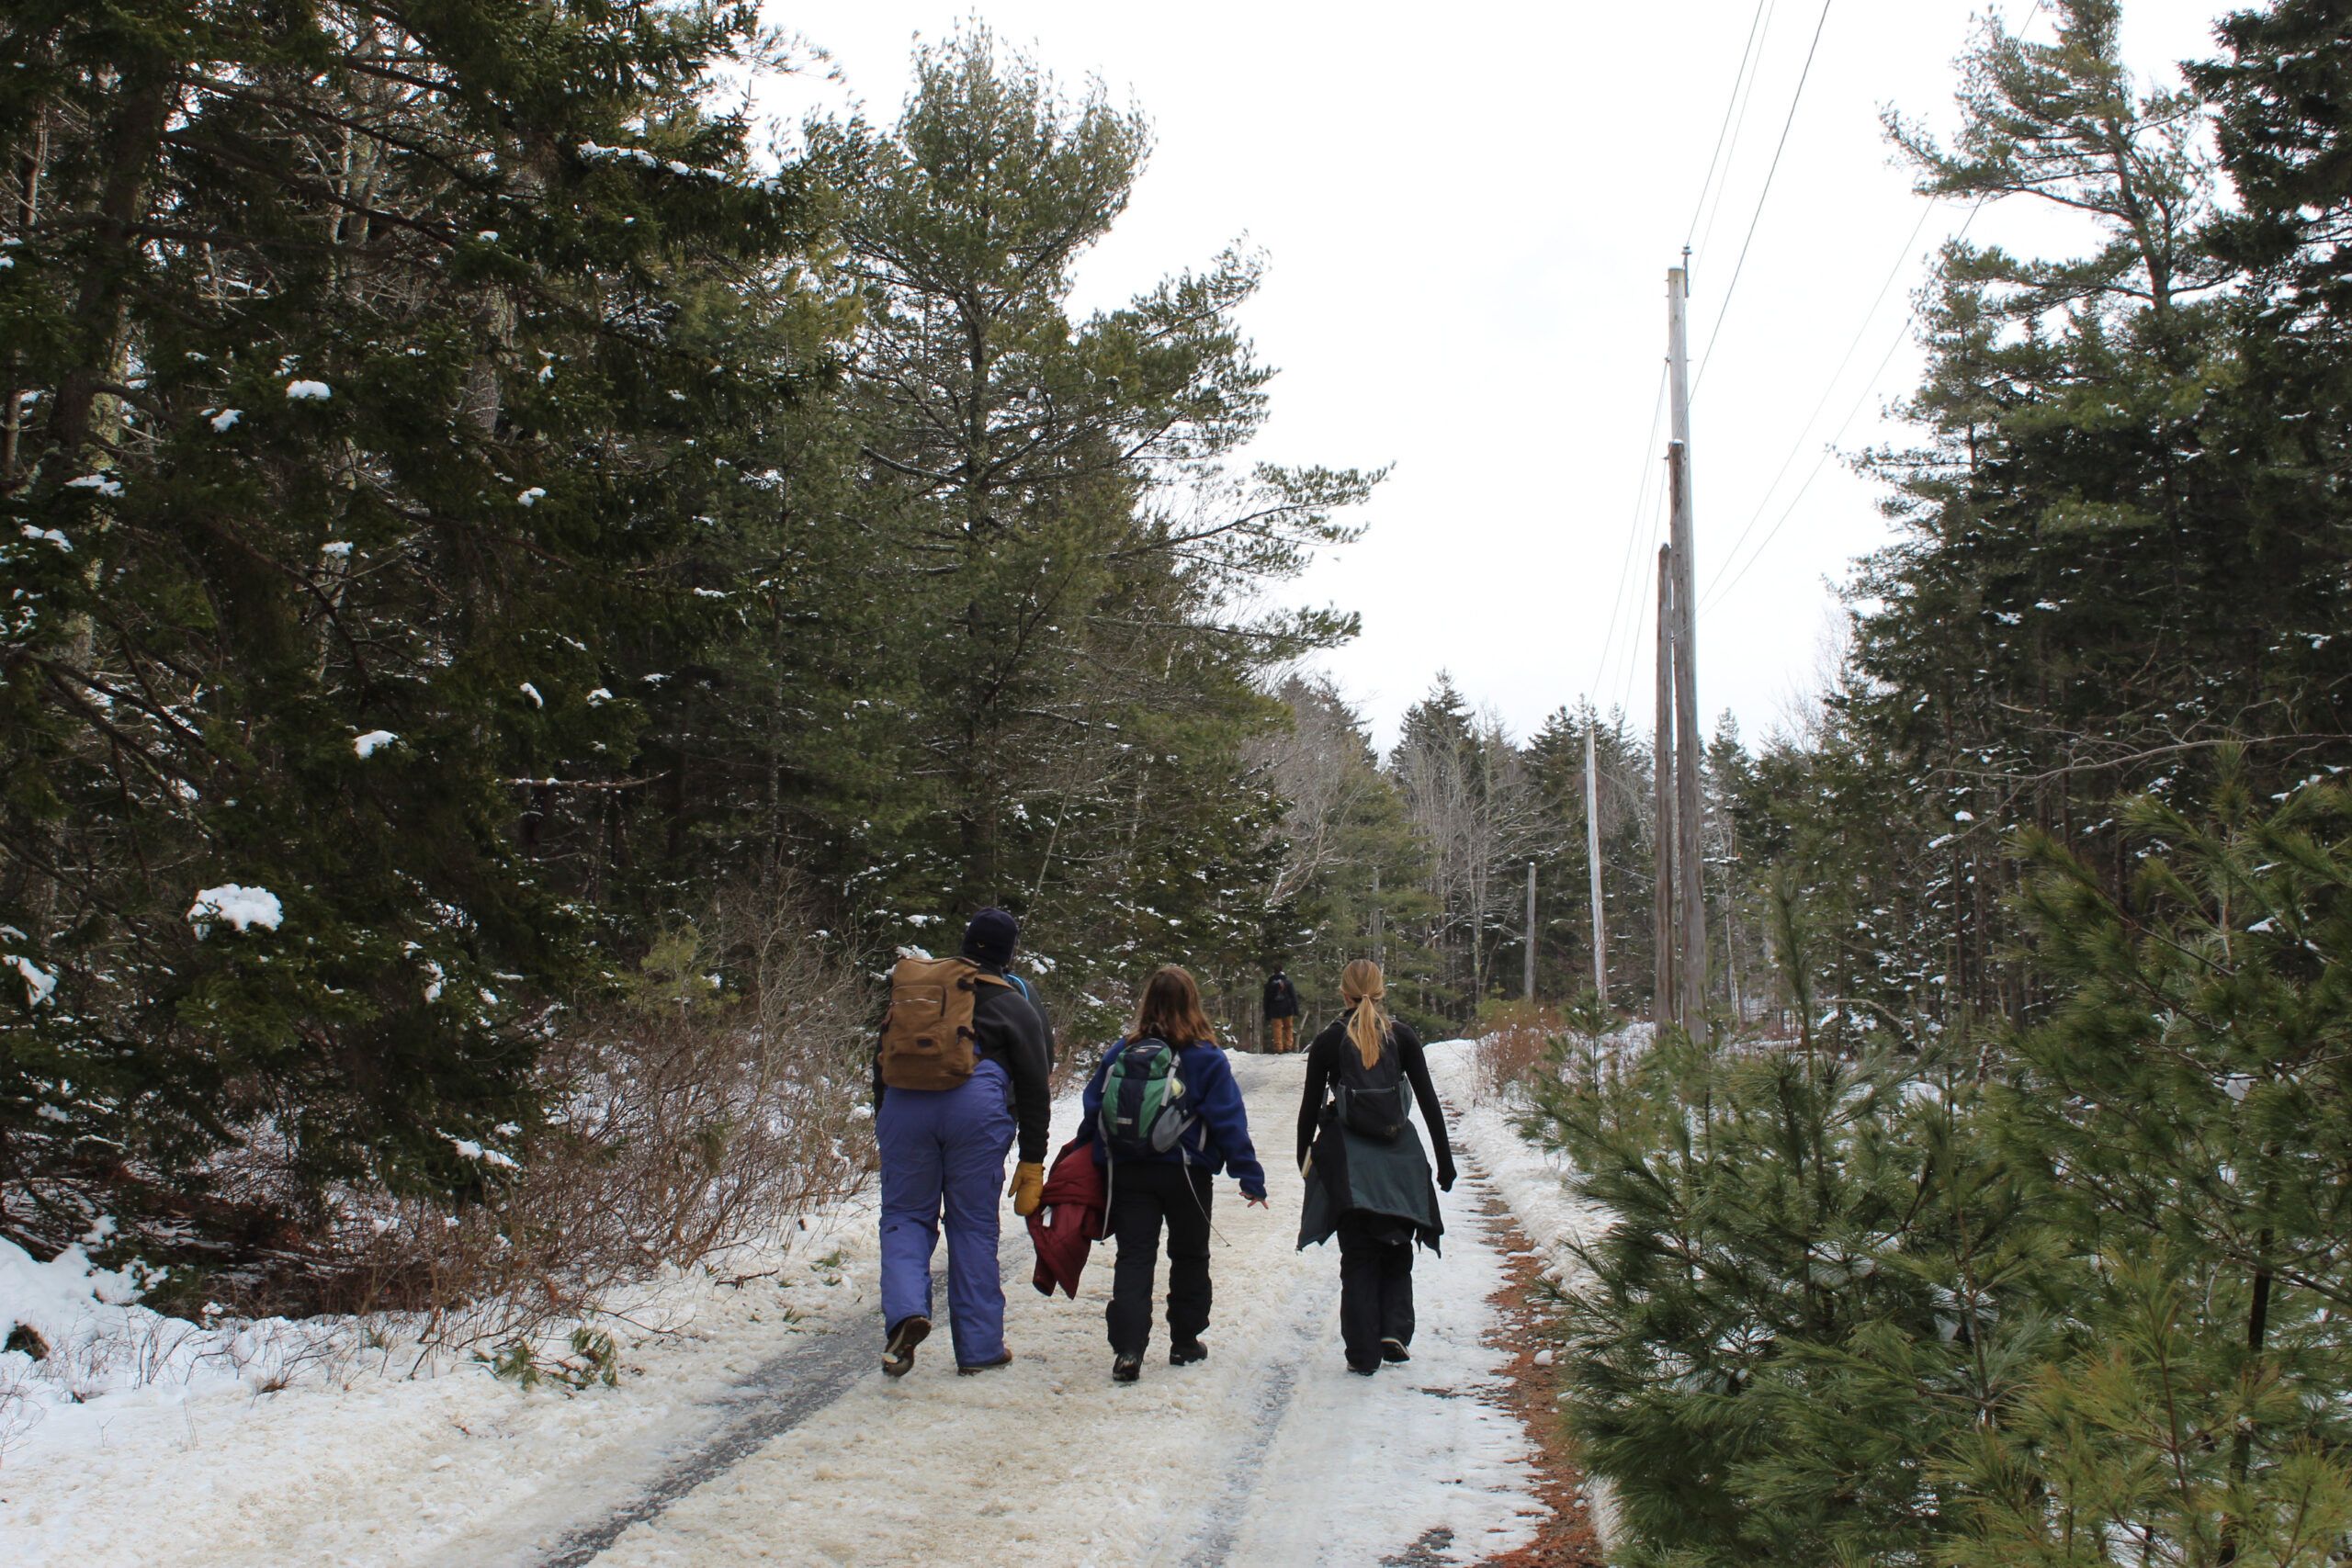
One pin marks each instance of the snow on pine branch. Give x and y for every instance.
(241, 906)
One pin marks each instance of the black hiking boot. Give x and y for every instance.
(1184, 1352)
(1363, 1368)
(898, 1353)
(1394, 1350)
(976, 1368)
(1125, 1369)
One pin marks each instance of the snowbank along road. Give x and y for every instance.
(792, 1448)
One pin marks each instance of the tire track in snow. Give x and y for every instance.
(1310, 1307)
(783, 1392)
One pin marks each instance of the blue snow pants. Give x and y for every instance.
(943, 1152)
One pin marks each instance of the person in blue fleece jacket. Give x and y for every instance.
(1149, 1188)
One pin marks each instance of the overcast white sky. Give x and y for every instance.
(1469, 211)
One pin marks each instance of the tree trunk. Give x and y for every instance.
(134, 142)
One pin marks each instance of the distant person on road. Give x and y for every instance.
(962, 1062)
(1368, 1178)
(1167, 1116)
(1282, 1013)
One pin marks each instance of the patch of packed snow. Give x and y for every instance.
(533, 693)
(226, 420)
(307, 391)
(532, 496)
(50, 536)
(374, 740)
(241, 907)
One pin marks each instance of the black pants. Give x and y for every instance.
(1143, 1194)
(1375, 1287)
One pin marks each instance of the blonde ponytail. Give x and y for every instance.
(1361, 986)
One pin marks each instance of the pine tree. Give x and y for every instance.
(355, 386)
(1073, 558)
(1564, 913)
(2184, 1112)
(1467, 788)
(1804, 1299)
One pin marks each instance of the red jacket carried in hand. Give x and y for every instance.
(1068, 1218)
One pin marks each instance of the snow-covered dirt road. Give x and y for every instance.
(1268, 1453)
(752, 1425)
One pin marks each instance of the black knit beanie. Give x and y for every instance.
(990, 938)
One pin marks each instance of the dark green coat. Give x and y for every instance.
(1348, 1174)
(1351, 1174)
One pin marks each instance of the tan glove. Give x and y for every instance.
(1028, 1187)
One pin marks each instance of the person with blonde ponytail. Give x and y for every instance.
(1368, 1178)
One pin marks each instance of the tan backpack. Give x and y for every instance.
(927, 1036)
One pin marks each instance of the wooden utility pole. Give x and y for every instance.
(1664, 1001)
(1690, 966)
(1592, 857)
(1528, 984)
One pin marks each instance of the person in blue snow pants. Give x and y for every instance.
(943, 1152)
(942, 1158)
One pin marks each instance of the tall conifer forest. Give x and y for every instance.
(522, 596)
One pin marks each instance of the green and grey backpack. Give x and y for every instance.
(1143, 1100)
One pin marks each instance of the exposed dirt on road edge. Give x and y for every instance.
(1565, 1537)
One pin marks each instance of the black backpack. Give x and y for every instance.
(1371, 1101)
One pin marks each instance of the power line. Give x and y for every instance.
(1739, 77)
(1868, 387)
(1734, 119)
(1821, 462)
(1644, 634)
(1860, 330)
(1633, 527)
(1738, 131)
(1649, 576)
(1633, 541)
(1727, 133)
(1762, 195)
(1634, 631)
(1634, 649)
(1713, 592)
